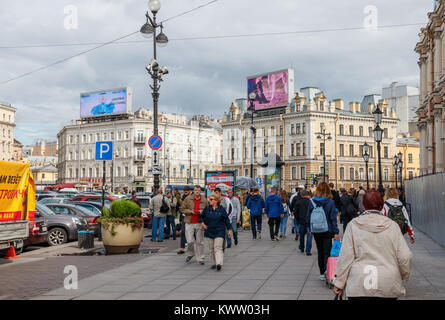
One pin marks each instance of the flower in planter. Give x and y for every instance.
(121, 212)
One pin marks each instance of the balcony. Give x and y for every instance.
(139, 140)
(139, 158)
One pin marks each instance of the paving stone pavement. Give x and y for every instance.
(253, 270)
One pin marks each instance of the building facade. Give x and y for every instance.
(431, 114)
(7, 125)
(410, 149)
(404, 100)
(44, 148)
(189, 149)
(292, 131)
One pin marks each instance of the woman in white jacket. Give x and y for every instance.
(374, 258)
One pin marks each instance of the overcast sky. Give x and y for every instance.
(205, 75)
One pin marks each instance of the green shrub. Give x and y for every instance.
(124, 209)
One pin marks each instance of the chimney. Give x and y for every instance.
(352, 107)
(332, 108)
(370, 107)
(339, 104)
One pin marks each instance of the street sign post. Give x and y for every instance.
(104, 152)
(155, 142)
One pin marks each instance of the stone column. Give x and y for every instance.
(437, 57)
(439, 130)
(423, 150)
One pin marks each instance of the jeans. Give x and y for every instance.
(157, 229)
(324, 245)
(183, 240)
(274, 222)
(256, 221)
(283, 224)
(234, 232)
(305, 230)
(171, 222)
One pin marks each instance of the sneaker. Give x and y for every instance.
(259, 235)
(284, 236)
(308, 253)
(281, 235)
(160, 240)
(188, 258)
(276, 238)
(229, 246)
(218, 267)
(322, 277)
(236, 242)
(181, 252)
(272, 239)
(297, 237)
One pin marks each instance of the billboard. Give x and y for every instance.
(274, 89)
(105, 102)
(224, 180)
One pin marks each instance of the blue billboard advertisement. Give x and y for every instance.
(107, 102)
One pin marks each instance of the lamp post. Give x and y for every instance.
(366, 158)
(396, 167)
(400, 164)
(325, 136)
(190, 164)
(378, 138)
(148, 30)
(251, 111)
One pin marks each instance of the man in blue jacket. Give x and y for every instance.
(274, 211)
(256, 206)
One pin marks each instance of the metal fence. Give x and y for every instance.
(426, 195)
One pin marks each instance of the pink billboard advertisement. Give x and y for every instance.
(272, 89)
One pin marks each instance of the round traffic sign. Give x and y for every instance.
(155, 142)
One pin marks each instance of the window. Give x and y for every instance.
(304, 149)
(105, 136)
(410, 158)
(140, 136)
(97, 172)
(272, 131)
(111, 135)
(90, 138)
(90, 172)
(410, 174)
(385, 133)
(71, 139)
(140, 170)
(84, 138)
(119, 135)
(342, 151)
(371, 174)
(140, 154)
(292, 149)
(83, 173)
(281, 150)
(360, 150)
(294, 173)
(126, 171)
(386, 174)
(351, 150)
(342, 129)
(360, 131)
(119, 171)
(342, 173)
(97, 136)
(385, 152)
(370, 132)
(351, 174)
(70, 173)
(304, 128)
(302, 173)
(292, 129)
(281, 130)
(321, 148)
(361, 174)
(127, 135)
(298, 128)
(351, 130)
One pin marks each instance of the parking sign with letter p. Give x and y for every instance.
(104, 150)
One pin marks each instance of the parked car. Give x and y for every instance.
(145, 213)
(96, 207)
(38, 233)
(61, 228)
(88, 216)
(45, 194)
(54, 200)
(93, 198)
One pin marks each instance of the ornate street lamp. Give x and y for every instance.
(251, 112)
(400, 164)
(378, 138)
(366, 158)
(396, 167)
(148, 30)
(325, 136)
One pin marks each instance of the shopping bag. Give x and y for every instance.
(246, 218)
(335, 250)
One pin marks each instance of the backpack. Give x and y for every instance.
(395, 213)
(164, 208)
(319, 223)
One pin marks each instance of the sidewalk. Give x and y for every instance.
(253, 270)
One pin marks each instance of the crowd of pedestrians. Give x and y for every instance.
(373, 230)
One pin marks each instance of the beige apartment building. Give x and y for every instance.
(292, 131)
(7, 125)
(431, 113)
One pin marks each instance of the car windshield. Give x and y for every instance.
(144, 203)
(44, 209)
(51, 200)
(87, 211)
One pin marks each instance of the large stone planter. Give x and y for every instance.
(126, 240)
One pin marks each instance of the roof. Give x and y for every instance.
(410, 141)
(48, 168)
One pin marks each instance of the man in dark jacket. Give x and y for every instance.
(335, 197)
(256, 206)
(300, 213)
(348, 211)
(275, 211)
